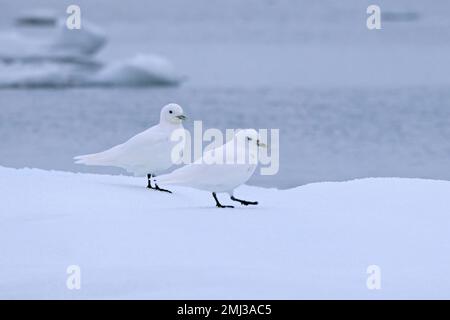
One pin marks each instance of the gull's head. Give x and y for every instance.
(250, 135)
(172, 113)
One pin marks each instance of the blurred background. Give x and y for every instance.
(349, 102)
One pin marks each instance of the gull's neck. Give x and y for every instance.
(170, 126)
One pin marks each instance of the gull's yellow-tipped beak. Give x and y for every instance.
(260, 144)
(181, 117)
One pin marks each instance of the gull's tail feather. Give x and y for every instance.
(95, 159)
(108, 157)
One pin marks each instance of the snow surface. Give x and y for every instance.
(314, 241)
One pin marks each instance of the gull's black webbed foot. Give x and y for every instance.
(161, 189)
(156, 187)
(244, 202)
(221, 206)
(218, 205)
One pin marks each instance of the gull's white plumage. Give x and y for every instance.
(205, 175)
(148, 152)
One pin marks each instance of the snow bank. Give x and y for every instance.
(314, 241)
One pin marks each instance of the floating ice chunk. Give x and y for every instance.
(44, 74)
(85, 41)
(39, 17)
(62, 57)
(59, 44)
(140, 70)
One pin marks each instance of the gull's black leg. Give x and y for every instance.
(149, 182)
(244, 202)
(218, 205)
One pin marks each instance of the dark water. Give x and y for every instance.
(325, 134)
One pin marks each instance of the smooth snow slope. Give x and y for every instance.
(314, 241)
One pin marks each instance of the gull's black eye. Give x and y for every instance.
(249, 139)
(170, 111)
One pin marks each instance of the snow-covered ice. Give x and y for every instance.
(315, 241)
